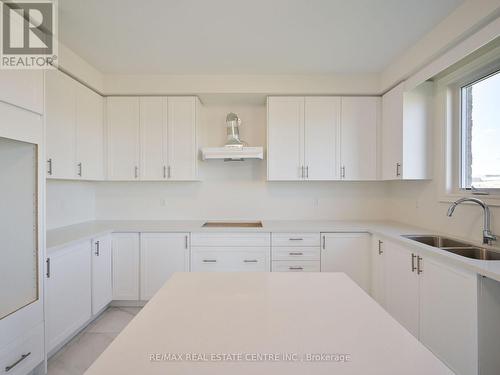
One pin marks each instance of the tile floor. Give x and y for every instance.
(77, 355)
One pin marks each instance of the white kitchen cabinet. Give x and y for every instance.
(162, 254)
(182, 150)
(126, 266)
(349, 253)
(123, 148)
(401, 285)
(89, 134)
(358, 140)
(321, 143)
(405, 133)
(60, 120)
(448, 314)
(67, 292)
(296, 266)
(285, 138)
(230, 259)
(23, 88)
(102, 288)
(153, 138)
(378, 270)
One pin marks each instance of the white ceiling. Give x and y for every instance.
(245, 37)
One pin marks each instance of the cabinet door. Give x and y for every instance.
(378, 271)
(23, 88)
(448, 315)
(101, 273)
(392, 133)
(182, 147)
(60, 102)
(349, 253)
(401, 286)
(162, 254)
(89, 134)
(358, 142)
(68, 292)
(285, 138)
(126, 266)
(153, 138)
(123, 138)
(321, 130)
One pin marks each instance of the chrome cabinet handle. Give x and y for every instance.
(380, 251)
(168, 172)
(79, 169)
(296, 268)
(413, 268)
(97, 249)
(136, 171)
(295, 239)
(342, 172)
(47, 268)
(186, 242)
(250, 261)
(164, 172)
(295, 253)
(209, 260)
(49, 170)
(398, 169)
(419, 266)
(307, 172)
(301, 171)
(324, 242)
(23, 357)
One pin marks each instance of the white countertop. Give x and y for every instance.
(249, 314)
(61, 237)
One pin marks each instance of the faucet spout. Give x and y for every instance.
(488, 237)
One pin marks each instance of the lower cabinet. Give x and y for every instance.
(101, 273)
(25, 353)
(295, 252)
(436, 302)
(296, 266)
(162, 254)
(126, 249)
(349, 253)
(67, 292)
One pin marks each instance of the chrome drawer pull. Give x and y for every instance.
(23, 357)
(296, 239)
(250, 261)
(413, 268)
(296, 268)
(295, 253)
(209, 260)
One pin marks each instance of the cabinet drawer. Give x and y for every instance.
(24, 354)
(230, 239)
(296, 239)
(230, 259)
(296, 253)
(296, 266)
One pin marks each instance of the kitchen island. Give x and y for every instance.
(265, 323)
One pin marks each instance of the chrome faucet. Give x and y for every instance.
(488, 237)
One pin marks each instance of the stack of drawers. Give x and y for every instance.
(295, 252)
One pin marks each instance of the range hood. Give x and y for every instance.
(232, 154)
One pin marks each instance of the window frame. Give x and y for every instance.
(449, 113)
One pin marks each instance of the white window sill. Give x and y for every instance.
(493, 199)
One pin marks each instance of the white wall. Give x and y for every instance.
(238, 190)
(69, 202)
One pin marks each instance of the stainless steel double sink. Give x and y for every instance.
(456, 247)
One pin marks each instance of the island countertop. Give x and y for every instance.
(265, 323)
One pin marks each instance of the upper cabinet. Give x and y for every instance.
(152, 138)
(22, 88)
(74, 129)
(322, 138)
(405, 133)
(358, 138)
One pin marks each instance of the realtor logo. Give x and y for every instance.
(28, 34)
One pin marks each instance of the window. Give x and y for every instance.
(480, 133)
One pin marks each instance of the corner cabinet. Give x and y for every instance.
(405, 145)
(322, 138)
(152, 138)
